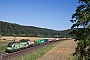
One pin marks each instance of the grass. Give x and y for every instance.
(37, 54)
(74, 58)
(3, 45)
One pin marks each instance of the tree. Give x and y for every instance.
(82, 18)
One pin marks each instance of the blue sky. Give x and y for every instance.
(51, 14)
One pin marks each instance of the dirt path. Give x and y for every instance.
(62, 51)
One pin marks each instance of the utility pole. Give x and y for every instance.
(14, 39)
(0, 48)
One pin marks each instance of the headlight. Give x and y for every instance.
(9, 48)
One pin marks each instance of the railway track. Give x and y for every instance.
(15, 55)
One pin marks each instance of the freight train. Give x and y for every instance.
(22, 44)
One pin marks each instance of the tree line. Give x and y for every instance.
(13, 29)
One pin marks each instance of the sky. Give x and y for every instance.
(51, 14)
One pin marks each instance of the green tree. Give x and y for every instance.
(82, 18)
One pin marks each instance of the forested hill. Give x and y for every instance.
(11, 29)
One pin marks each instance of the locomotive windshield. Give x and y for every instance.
(9, 45)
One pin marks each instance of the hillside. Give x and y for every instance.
(12, 29)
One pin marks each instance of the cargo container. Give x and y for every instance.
(57, 39)
(54, 39)
(40, 41)
(60, 38)
(46, 41)
(32, 43)
(50, 39)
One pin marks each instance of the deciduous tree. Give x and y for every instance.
(82, 18)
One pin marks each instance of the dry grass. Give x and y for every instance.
(9, 38)
(62, 51)
(19, 38)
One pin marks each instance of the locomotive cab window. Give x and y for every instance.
(13, 45)
(9, 45)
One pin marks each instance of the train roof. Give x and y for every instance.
(13, 42)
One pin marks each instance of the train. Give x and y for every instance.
(26, 43)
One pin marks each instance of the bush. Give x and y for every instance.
(4, 39)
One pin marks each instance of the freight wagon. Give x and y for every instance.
(46, 41)
(40, 41)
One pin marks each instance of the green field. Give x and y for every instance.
(37, 54)
(3, 45)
